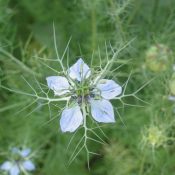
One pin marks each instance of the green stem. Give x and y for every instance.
(84, 120)
(20, 64)
(142, 165)
(117, 23)
(85, 131)
(94, 27)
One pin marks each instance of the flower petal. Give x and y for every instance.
(172, 98)
(71, 119)
(58, 84)
(14, 170)
(109, 88)
(28, 165)
(102, 111)
(25, 152)
(15, 150)
(79, 70)
(6, 165)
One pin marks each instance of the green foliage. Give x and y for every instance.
(141, 142)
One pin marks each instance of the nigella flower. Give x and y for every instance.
(19, 162)
(171, 98)
(83, 89)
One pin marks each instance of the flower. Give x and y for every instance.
(19, 163)
(156, 135)
(83, 89)
(158, 58)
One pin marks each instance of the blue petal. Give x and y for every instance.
(6, 165)
(71, 119)
(109, 88)
(172, 98)
(79, 70)
(58, 84)
(14, 170)
(25, 152)
(28, 165)
(15, 150)
(102, 111)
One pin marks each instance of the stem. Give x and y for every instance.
(117, 22)
(85, 132)
(94, 27)
(21, 64)
(84, 119)
(142, 164)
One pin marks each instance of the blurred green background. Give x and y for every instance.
(141, 144)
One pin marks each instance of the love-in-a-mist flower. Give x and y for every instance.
(19, 162)
(84, 89)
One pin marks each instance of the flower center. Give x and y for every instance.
(17, 158)
(83, 91)
(82, 94)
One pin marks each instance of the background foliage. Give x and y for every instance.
(144, 144)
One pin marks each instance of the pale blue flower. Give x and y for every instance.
(28, 165)
(172, 98)
(24, 152)
(11, 167)
(63, 87)
(173, 67)
(84, 90)
(79, 70)
(71, 119)
(102, 111)
(15, 166)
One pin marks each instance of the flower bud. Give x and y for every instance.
(158, 58)
(154, 136)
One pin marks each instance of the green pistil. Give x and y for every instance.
(16, 157)
(83, 91)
